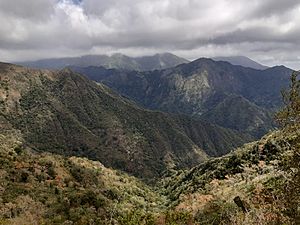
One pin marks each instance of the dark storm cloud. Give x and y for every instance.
(267, 30)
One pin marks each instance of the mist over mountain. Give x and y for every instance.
(241, 61)
(117, 61)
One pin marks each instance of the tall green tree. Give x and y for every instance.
(289, 119)
(289, 116)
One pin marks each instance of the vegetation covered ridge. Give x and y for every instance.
(65, 113)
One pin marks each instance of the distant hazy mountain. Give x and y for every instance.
(241, 61)
(232, 96)
(159, 61)
(117, 61)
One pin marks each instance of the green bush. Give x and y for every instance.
(215, 213)
(18, 150)
(136, 217)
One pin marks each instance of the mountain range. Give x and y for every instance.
(232, 96)
(117, 61)
(124, 62)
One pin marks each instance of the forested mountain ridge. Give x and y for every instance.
(200, 88)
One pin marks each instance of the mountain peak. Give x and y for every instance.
(165, 54)
(119, 55)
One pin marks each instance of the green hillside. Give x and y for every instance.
(65, 113)
(45, 188)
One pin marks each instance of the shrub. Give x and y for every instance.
(136, 217)
(216, 212)
(18, 150)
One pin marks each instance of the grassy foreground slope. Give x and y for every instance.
(252, 174)
(44, 188)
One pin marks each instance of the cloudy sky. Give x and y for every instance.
(267, 31)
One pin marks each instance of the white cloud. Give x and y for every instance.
(265, 30)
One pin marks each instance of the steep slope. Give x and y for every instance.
(241, 61)
(65, 113)
(243, 187)
(198, 87)
(212, 136)
(240, 114)
(118, 61)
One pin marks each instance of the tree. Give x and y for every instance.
(289, 116)
(289, 119)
